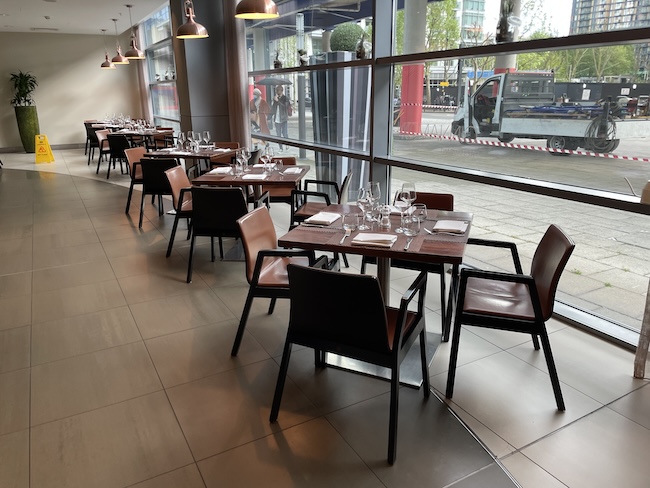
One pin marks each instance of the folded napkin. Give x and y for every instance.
(378, 240)
(395, 210)
(223, 170)
(454, 226)
(259, 165)
(254, 176)
(292, 171)
(323, 218)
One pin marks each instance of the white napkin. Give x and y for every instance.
(395, 210)
(254, 176)
(223, 170)
(370, 239)
(292, 171)
(455, 226)
(259, 165)
(323, 218)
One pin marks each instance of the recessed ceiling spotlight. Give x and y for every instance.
(50, 1)
(43, 29)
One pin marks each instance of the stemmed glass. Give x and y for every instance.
(181, 140)
(363, 202)
(374, 194)
(206, 137)
(246, 154)
(405, 198)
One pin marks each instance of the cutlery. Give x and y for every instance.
(408, 243)
(347, 234)
(433, 233)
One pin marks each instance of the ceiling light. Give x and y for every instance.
(133, 52)
(107, 64)
(118, 58)
(190, 29)
(257, 9)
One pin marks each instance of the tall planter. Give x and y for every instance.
(27, 119)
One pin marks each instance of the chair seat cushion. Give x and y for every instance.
(137, 172)
(309, 209)
(274, 270)
(502, 298)
(391, 324)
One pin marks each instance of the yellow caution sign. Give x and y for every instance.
(43, 150)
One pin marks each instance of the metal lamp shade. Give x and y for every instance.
(119, 58)
(134, 52)
(257, 9)
(107, 64)
(190, 29)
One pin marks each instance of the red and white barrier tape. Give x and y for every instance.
(434, 107)
(528, 147)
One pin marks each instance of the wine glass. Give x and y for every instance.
(420, 211)
(206, 137)
(363, 202)
(408, 193)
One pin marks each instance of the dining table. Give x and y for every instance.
(428, 246)
(207, 153)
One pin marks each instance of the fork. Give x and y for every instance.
(456, 234)
(347, 234)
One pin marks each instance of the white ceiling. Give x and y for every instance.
(73, 16)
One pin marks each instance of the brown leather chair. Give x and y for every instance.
(437, 201)
(514, 302)
(223, 160)
(266, 264)
(102, 144)
(374, 332)
(302, 207)
(133, 156)
(282, 193)
(181, 186)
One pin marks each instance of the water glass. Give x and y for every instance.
(350, 221)
(420, 211)
(363, 202)
(411, 225)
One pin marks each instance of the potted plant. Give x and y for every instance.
(24, 85)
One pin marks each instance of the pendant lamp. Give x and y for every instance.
(257, 9)
(107, 63)
(190, 29)
(118, 58)
(133, 52)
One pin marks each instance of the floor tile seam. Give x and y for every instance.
(95, 409)
(479, 470)
(168, 472)
(636, 390)
(518, 451)
(202, 326)
(61, 266)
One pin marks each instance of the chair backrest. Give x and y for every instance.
(550, 258)
(215, 210)
(438, 201)
(255, 157)
(345, 188)
(154, 179)
(117, 143)
(134, 154)
(352, 314)
(227, 145)
(102, 135)
(178, 180)
(286, 160)
(257, 233)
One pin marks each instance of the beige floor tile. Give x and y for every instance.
(72, 275)
(635, 406)
(144, 263)
(123, 229)
(14, 453)
(598, 369)
(81, 383)
(528, 474)
(69, 239)
(15, 311)
(600, 451)
(59, 227)
(76, 300)
(176, 313)
(196, 353)
(147, 287)
(186, 477)
(15, 231)
(113, 446)
(65, 213)
(14, 401)
(147, 242)
(61, 256)
(81, 334)
(310, 455)
(230, 409)
(14, 349)
(472, 348)
(513, 399)
(15, 255)
(14, 285)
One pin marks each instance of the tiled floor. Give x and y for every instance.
(116, 373)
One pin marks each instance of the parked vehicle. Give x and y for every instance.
(511, 105)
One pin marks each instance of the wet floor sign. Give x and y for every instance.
(43, 150)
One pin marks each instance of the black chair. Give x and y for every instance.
(437, 201)
(182, 198)
(117, 144)
(374, 333)
(133, 156)
(514, 302)
(91, 138)
(155, 182)
(266, 264)
(302, 207)
(215, 212)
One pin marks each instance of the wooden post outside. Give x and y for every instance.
(644, 340)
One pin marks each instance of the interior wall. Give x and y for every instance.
(71, 85)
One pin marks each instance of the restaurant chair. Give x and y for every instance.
(133, 156)
(117, 143)
(215, 213)
(155, 182)
(433, 201)
(91, 139)
(182, 200)
(223, 160)
(374, 332)
(282, 193)
(102, 144)
(161, 141)
(514, 301)
(266, 264)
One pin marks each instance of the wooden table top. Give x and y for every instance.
(439, 248)
(201, 154)
(275, 178)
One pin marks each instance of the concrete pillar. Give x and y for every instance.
(415, 17)
(507, 62)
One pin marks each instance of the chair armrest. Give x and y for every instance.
(323, 182)
(264, 197)
(280, 252)
(307, 193)
(181, 197)
(502, 244)
(322, 263)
